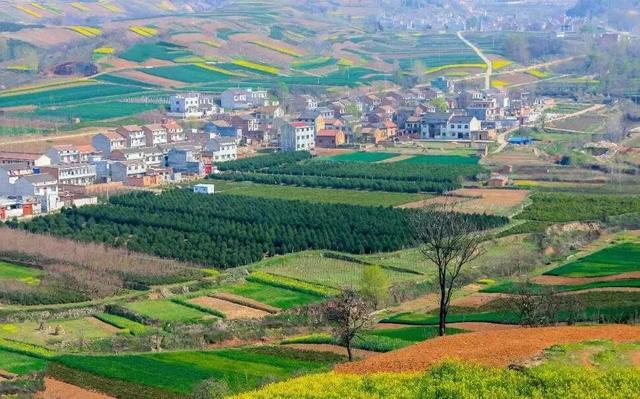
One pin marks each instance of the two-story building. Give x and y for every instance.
(175, 132)
(133, 134)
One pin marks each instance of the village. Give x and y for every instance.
(246, 122)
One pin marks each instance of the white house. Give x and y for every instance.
(297, 136)
(192, 105)
(461, 127)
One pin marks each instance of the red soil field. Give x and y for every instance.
(492, 348)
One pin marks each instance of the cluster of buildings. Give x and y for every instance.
(159, 153)
(425, 112)
(116, 160)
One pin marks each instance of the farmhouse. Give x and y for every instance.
(313, 118)
(221, 128)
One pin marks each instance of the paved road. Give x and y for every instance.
(489, 71)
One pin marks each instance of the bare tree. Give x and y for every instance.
(448, 241)
(350, 315)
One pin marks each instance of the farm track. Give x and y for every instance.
(492, 348)
(489, 71)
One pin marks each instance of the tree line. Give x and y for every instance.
(227, 231)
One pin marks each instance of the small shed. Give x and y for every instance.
(204, 189)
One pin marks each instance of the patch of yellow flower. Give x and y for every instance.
(80, 7)
(9, 328)
(29, 11)
(219, 70)
(144, 31)
(38, 6)
(500, 63)
(345, 62)
(257, 67)
(112, 7)
(537, 73)
(19, 68)
(279, 49)
(87, 31)
(499, 83)
(455, 66)
(104, 50)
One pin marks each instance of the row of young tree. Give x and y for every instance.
(390, 171)
(343, 183)
(260, 162)
(228, 231)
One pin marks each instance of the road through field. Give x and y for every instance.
(489, 71)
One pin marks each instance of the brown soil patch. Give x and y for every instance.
(477, 200)
(245, 301)
(493, 348)
(557, 280)
(55, 389)
(102, 325)
(635, 359)
(145, 77)
(339, 350)
(231, 310)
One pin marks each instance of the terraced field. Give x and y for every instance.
(617, 259)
